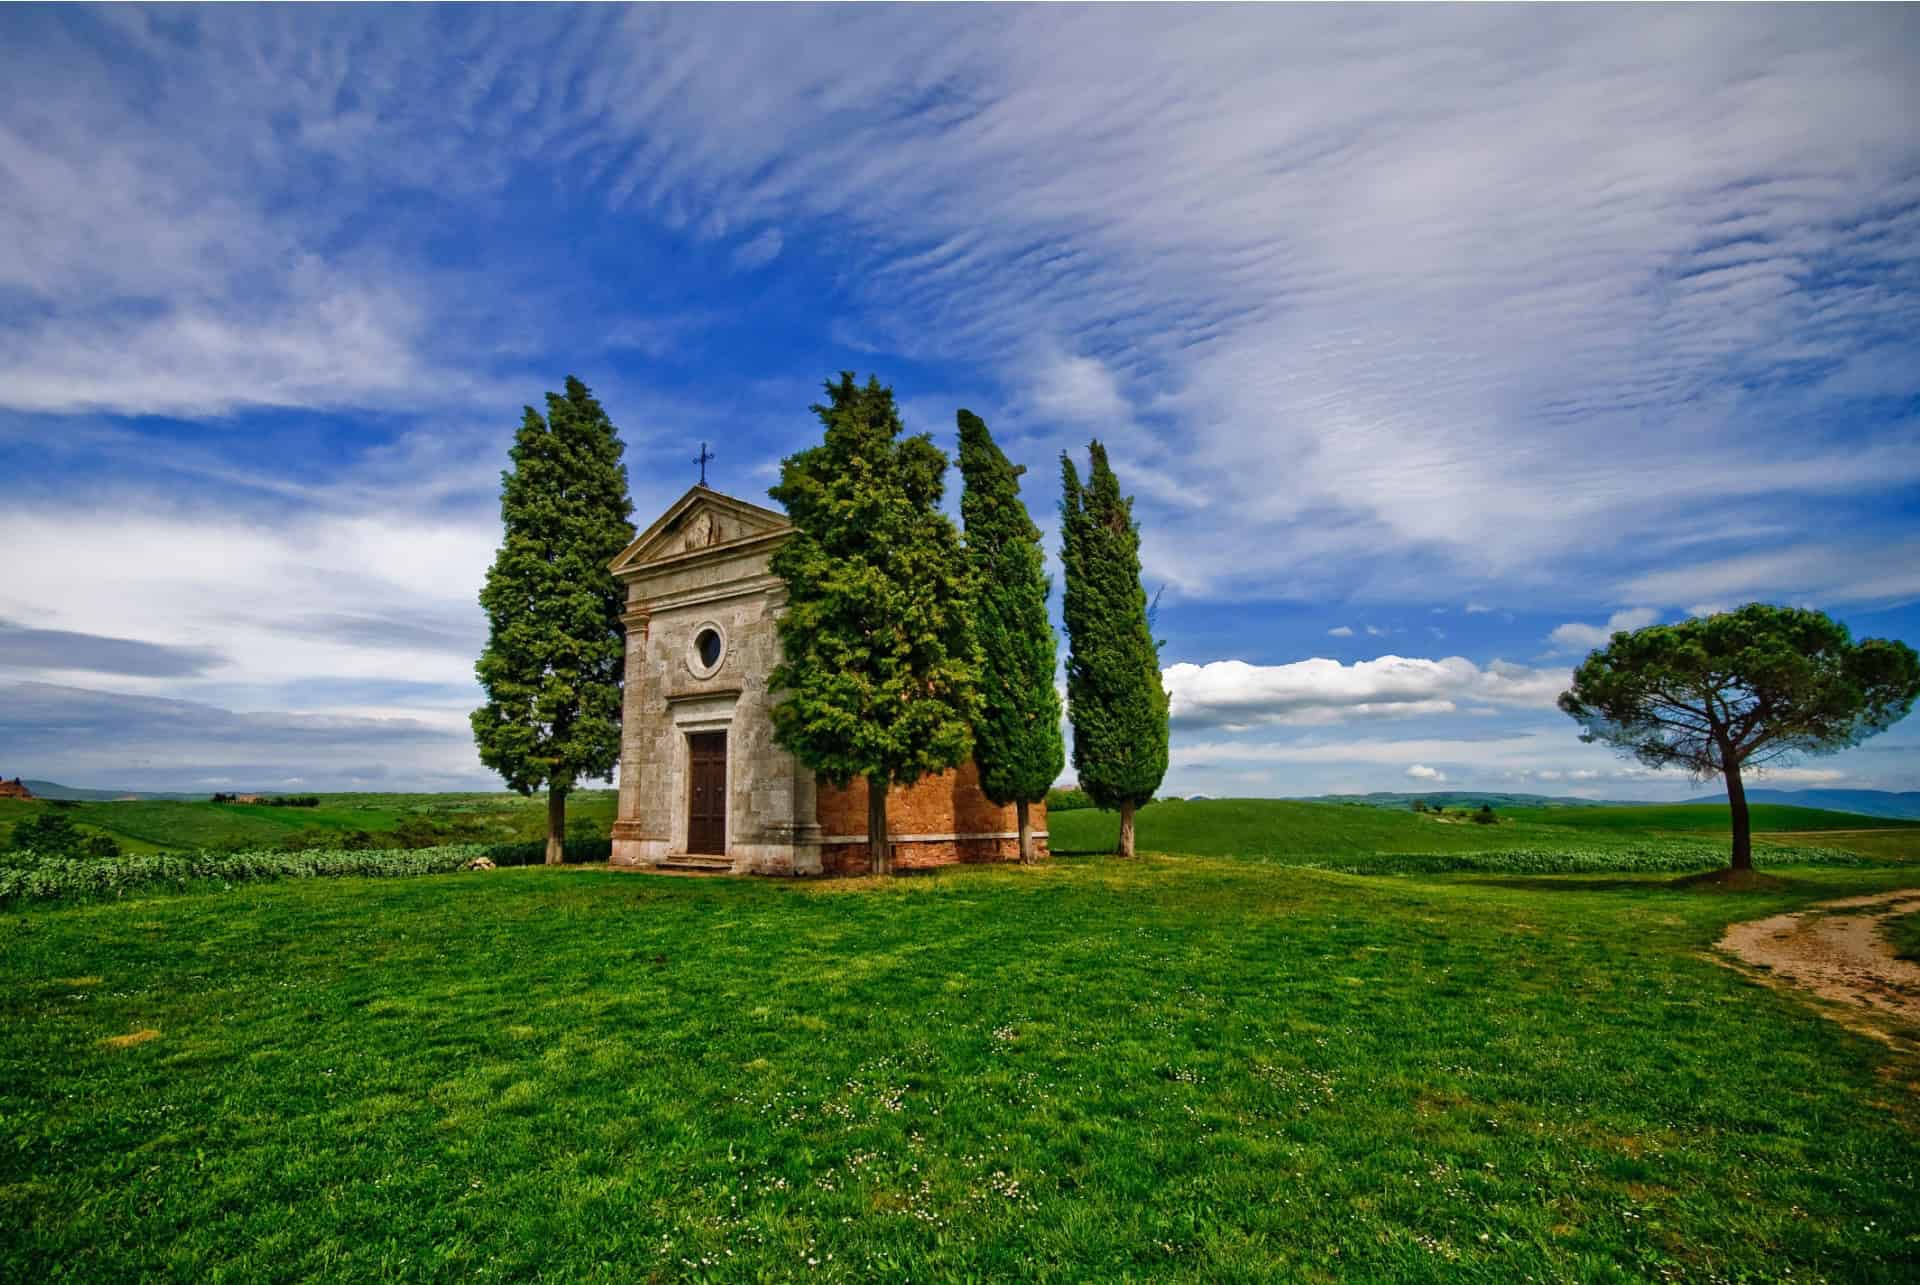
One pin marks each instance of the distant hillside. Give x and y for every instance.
(54, 790)
(1289, 830)
(1707, 818)
(1904, 805)
(1461, 799)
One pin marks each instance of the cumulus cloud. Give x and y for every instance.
(1421, 772)
(1575, 636)
(1233, 694)
(1341, 631)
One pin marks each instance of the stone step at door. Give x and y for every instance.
(697, 863)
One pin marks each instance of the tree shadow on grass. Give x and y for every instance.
(1710, 881)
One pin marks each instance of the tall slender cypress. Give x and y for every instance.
(1114, 697)
(879, 666)
(552, 665)
(1016, 738)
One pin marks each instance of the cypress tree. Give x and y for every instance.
(1016, 738)
(555, 646)
(1114, 696)
(878, 665)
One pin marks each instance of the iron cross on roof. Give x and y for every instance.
(701, 459)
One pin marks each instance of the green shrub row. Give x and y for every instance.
(90, 879)
(1677, 857)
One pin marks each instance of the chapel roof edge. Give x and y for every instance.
(761, 521)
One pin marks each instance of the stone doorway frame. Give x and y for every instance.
(712, 712)
(694, 776)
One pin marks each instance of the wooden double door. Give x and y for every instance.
(707, 792)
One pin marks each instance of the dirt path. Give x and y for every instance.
(1836, 951)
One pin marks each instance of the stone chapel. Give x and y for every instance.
(703, 785)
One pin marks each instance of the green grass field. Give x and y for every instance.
(1220, 827)
(141, 827)
(1765, 817)
(1282, 830)
(1180, 1068)
(1904, 933)
(1221, 1066)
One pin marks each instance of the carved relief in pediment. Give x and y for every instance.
(701, 532)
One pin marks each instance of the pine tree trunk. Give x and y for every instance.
(1126, 829)
(556, 824)
(1025, 812)
(1742, 823)
(880, 852)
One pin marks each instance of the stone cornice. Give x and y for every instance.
(760, 584)
(702, 693)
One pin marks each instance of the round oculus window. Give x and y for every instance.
(707, 647)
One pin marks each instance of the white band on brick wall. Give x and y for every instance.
(931, 838)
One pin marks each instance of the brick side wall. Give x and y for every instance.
(948, 804)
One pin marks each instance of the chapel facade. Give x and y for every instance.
(703, 784)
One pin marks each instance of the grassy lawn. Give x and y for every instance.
(1180, 1068)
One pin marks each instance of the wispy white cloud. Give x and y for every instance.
(1827, 572)
(1572, 308)
(85, 736)
(1274, 255)
(194, 579)
(760, 251)
(1341, 631)
(1421, 772)
(1079, 390)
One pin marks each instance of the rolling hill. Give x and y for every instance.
(1403, 799)
(1873, 803)
(81, 794)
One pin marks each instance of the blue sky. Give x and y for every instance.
(1431, 341)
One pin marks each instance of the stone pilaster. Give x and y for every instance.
(629, 826)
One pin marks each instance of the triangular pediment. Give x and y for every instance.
(700, 522)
